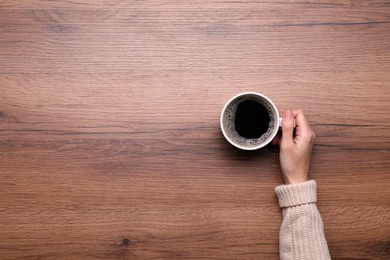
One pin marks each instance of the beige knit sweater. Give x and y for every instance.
(302, 232)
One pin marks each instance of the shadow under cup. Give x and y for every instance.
(248, 113)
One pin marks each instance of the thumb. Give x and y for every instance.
(287, 128)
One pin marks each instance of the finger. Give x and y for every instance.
(300, 118)
(287, 128)
(303, 127)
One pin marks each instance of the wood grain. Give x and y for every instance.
(110, 144)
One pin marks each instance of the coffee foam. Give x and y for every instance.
(229, 119)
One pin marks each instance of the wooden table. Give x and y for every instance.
(109, 117)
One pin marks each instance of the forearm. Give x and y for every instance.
(302, 232)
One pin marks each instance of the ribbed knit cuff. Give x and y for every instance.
(297, 194)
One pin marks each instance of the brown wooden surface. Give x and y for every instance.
(110, 145)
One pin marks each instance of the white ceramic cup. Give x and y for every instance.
(228, 115)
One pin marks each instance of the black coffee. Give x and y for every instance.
(252, 119)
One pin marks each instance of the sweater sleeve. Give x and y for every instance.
(302, 232)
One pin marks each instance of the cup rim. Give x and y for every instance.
(270, 138)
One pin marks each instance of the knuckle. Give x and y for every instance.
(309, 136)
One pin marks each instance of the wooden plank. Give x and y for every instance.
(109, 126)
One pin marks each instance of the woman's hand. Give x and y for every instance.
(295, 148)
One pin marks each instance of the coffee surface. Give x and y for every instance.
(251, 119)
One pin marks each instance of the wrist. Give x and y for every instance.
(301, 178)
